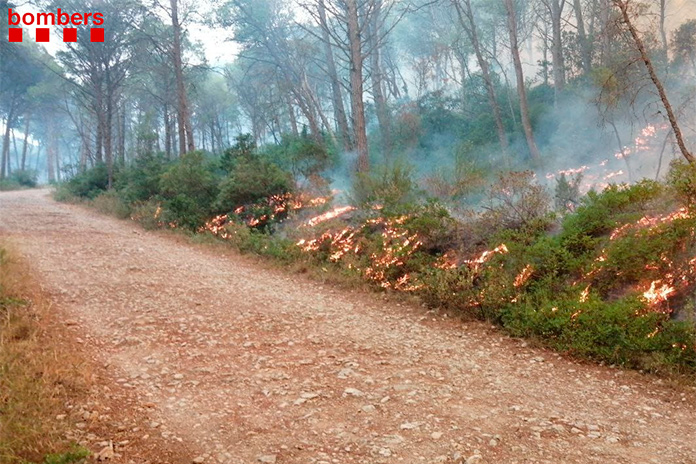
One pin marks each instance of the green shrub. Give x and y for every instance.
(9, 184)
(567, 192)
(111, 203)
(244, 147)
(385, 186)
(251, 180)
(77, 454)
(601, 213)
(25, 177)
(682, 179)
(90, 183)
(301, 154)
(188, 189)
(141, 181)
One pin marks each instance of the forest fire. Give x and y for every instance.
(475, 264)
(658, 292)
(523, 276)
(332, 214)
(649, 222)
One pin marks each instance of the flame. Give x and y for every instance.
(585, 294)
(651, 221)
(475, 264)
(657, 294)
(523, 276)
(447, 261)
(334, 213)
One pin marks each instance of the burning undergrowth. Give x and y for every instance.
(614, 282)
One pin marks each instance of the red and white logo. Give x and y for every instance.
(59, 18)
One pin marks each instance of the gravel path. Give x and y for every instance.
(243, 364)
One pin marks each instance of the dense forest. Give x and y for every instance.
(525, 162)
(442, 86)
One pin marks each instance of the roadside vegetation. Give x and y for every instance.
(608, 275)
(20, 179)
(34, 384)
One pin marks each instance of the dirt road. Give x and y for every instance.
(234, 363)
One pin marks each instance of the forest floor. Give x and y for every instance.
(201, 355)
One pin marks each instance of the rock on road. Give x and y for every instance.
(244, 364)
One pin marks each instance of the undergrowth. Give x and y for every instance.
(609, 276)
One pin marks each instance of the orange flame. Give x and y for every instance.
(334, 213)
(486, 255)
(523, 276)
(655, 295)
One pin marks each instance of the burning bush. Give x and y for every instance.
(251, 181)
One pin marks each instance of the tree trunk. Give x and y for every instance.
(57, 158)
(108, 131)
(466, 19)
(293, 118)
(605, 6)
(585, 45)
(521, 90)
(557, 47)
(356, 86)
(167, 132)
(26, 142)
(186, 143)
(4, 169)
(100, 124)
(122, 136)
(623, 6)
(376, 78)
(336, 94)
(51, 152)
(663, 17)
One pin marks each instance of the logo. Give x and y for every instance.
(59, 18)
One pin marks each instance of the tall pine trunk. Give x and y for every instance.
(521, 90)
(356, 85)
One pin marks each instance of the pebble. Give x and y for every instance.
(199, 460)
(353, 392)
(436, 435)
(267, 459)
(410, 425)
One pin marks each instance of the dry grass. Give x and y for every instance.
(36, 379)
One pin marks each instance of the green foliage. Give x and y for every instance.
(188, 189)
(252, 179)
(89, 183)
(600, 213)
(302, 155)
(250, 240)
(8, 184)
(244, 147)
(141, 181)
(567, 192)
(77, 454)
(25, 178)
(112, 204)
(682, 179)
(385, 186)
